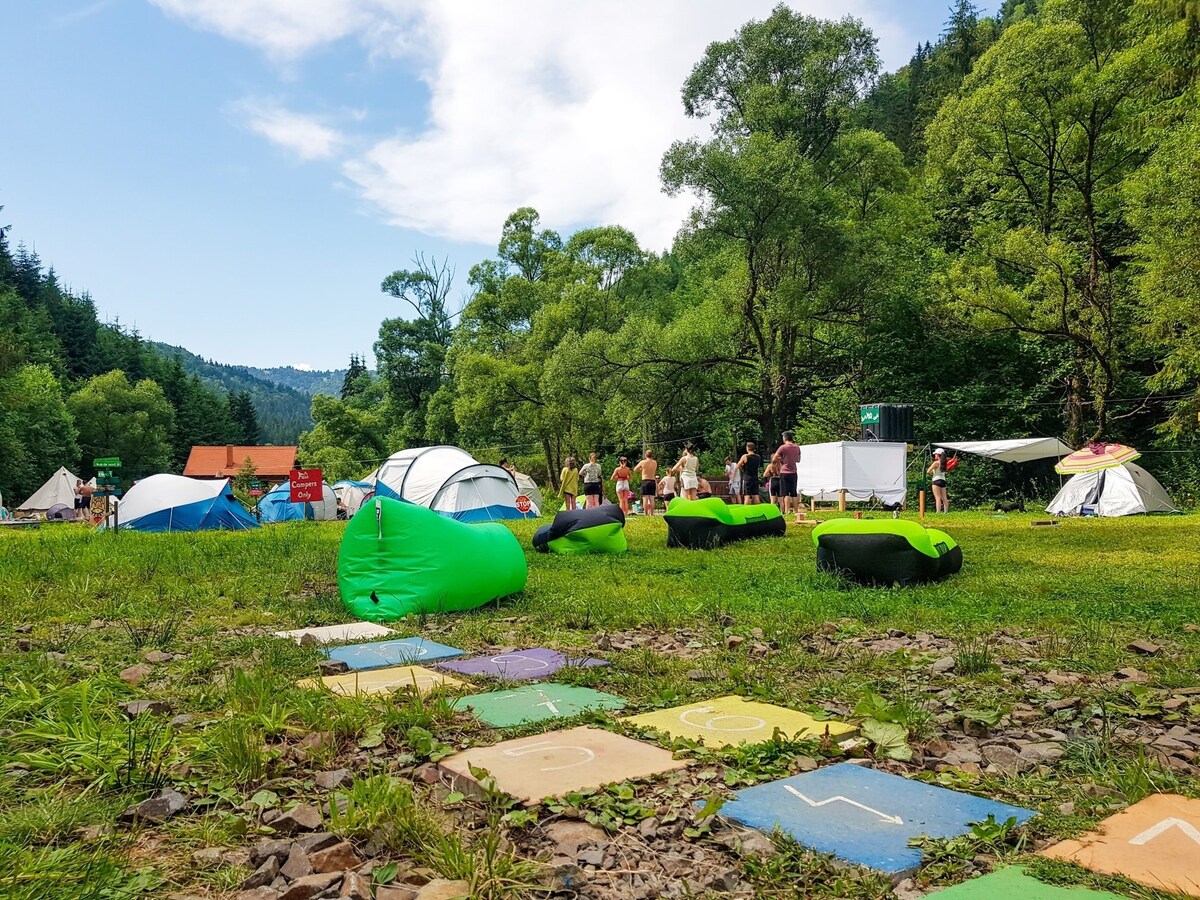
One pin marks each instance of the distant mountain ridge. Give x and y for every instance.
(281, 395)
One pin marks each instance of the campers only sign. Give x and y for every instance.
(305, 485)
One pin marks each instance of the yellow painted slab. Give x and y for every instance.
(1156, 842)
(727, 721)
(557, 762)
(384, 681)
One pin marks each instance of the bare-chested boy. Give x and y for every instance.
(648, 468)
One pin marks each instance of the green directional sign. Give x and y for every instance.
(107, 462)
(869, 415)
(535, 703)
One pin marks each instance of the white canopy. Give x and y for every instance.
(863, 469)
(1020, 450)
(59, 488)
(1121, 491)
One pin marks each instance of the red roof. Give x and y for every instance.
(224, 462)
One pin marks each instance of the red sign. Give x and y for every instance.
(306, 485)
(524, 504)
(255, 492)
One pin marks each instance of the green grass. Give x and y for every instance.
(1075, 595)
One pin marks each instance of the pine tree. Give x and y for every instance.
(245, 417)
(351, 384)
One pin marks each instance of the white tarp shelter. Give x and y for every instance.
(863, 469)
(450, 481)
(1121, 491)
(1015, 451)
(58, 489)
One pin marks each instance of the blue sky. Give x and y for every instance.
(237, 176)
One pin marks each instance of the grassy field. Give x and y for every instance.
(1037, 615)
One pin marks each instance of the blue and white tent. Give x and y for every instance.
(450, 481)
(276, 506)
(175, 503)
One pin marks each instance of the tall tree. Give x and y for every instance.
(352, 382)
(245, 418)
(132, 421)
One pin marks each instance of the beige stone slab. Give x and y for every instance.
(732, 720)
(384, 681)
(1155, 842)
(338, 634)
(552, 764)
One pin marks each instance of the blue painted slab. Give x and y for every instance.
(402, 652)
(862, 815)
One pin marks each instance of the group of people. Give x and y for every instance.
(746, 478)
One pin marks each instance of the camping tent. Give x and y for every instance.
(860, 468)
(529, 488)
(59, 488)
(452, 482)
(175, 503)
(276, 506)
(353, 494)
(1015, 451)
(1121, 491)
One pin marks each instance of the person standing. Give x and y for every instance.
(648, 468)
(666, 488)
(593, 481)
(688, 468)
(787, 456)
(620, 477)
(771, 474)
(937, 471)
(568, 478)
(734, 474)
(749, 466)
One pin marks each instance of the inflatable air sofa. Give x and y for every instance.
(711, 522)
(398, 558)
(885, 551)
(600, 529)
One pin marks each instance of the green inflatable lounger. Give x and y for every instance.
(885, 551)
(600, 529)
(398, 558)
(711, 522)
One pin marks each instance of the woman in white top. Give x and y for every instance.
(688, 468)
(734, 474)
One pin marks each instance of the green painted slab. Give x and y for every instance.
(536, 703)
(1014, 884)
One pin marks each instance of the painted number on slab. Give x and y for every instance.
(547, 747)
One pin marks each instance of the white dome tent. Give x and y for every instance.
(450, 481)
(176, 503)
(1124, 490)
(353, 494)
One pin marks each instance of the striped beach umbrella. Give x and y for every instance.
(1095, 457)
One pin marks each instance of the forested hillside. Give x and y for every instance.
(1002, 233)
(281, 396)
(73, 388)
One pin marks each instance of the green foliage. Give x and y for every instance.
(131, 421)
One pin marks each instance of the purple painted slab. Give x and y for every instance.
(518, 665)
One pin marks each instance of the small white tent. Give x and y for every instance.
(1121, 491)
(527, 486)
(450, 481)
(353, 494)
(58, 489)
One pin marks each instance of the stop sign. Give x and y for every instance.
(524, 504)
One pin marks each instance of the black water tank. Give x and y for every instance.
(887, 422)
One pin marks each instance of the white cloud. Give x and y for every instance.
(567, 107)
(303, 135)
(303, 367)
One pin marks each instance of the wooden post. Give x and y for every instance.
(842, 500)
(921, 495)
(812, 503)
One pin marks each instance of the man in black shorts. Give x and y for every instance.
(750, 463)
(788, 456)
(648, 468)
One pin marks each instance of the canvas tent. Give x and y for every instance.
(863, 469)
(353, 494)
(1122, 491)
(1014, 451)
(175, 503)
(450, 481)
(529, 488)
(58, 489)
(276, 506)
